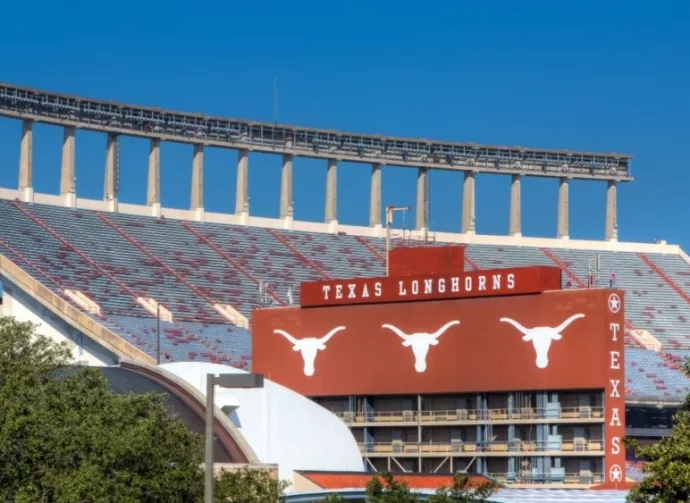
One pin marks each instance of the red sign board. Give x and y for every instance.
(515, 281)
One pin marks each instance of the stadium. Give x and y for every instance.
(145, 285)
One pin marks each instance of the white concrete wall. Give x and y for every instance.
(282, 426)
(274, 223)
(17, 304)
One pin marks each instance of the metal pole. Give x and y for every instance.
(158, 333)
(208, 489)
(388, 237)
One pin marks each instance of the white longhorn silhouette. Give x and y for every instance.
(541, 337)
(420, 342)
(309, 346)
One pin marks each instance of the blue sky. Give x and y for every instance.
(609, 76)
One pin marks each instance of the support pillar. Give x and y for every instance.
(563, 205)
(375, 196)
(515, 207)
(332, 191)
(242, 186)
(611, 212)
(468, 218)
(422, 209)
(286, 209)
(198, 181)
(153, 190)
(111, 174)
(26, 168)
(68, 190)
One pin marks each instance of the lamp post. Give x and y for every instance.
(224, 381)
(389, 222)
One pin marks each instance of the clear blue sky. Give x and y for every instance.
(609, 76)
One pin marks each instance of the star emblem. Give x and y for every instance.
(614, 303)
(616, 474)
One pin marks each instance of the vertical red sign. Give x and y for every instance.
(614, 401)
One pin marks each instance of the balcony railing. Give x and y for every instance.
(473, 416)
(573, 446)
(583, 478)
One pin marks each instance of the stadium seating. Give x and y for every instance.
(190, 266)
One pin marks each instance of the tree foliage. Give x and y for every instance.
(248, 486)
(667, 463)
(386, 489)
(64, 437)
(463, 491)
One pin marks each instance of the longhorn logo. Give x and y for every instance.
(420, 342)
(541, 337)
(309, 346)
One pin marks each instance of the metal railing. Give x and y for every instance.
(575, 478)
(472, 416)
(578, 445)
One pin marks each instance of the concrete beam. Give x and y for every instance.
(198, 179)
(153, 189)
(242, 186)
(515, 207)
(468, 216)
(375, 196)
(563, 208)
(111, 167)
(286, 209)
(67, 173)
(26, 168)
(332, 191)
(422, 208)
(611, 212)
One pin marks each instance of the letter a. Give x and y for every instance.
(615, 418)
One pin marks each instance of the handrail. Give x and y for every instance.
(153, 257)
(517, 445)
(231, 260)
(371, 248)
(473, 415)
(301, 256)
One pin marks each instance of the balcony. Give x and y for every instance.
(583, 478)
(475, 416)
(457, 448)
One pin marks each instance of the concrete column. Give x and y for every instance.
(611, 212)
(563, 205)
(242, 188)
(422, 209)
(111, 167)
(67, 173)
(515, 207)
(26, 168)
(286, 210)
(332, 191)
(198, 179)
(375, 196)
(153, 189)
(468, 217)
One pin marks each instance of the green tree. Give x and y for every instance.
(64, 437)
(385, 489)
(248, 486)
(667, 463)
(333, 498)
(461, 491)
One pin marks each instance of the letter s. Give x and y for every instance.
(615, 445)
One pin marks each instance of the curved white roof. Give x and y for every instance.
(280, 425)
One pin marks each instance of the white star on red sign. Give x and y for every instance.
(616, 474)
(614, 303)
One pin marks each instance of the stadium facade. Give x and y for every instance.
(108, 277)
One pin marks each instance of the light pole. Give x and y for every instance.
(224, 381)
(389, 222)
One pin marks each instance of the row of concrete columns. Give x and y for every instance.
(110, 192)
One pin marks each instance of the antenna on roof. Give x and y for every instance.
(275, 100)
